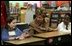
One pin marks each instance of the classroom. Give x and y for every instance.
(36, 23)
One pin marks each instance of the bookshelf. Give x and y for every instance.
(57, 17)
(54, 20)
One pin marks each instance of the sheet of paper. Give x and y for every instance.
(12, 33)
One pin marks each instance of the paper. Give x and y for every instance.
(12, 33)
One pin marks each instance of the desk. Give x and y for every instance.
(54, 35)
(51, 34)
(27, 41)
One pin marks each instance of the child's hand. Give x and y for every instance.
(20, 37)
(27, 35)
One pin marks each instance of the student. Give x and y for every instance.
(38, 25)
(65, 26)
(10, 32)
(47, 20)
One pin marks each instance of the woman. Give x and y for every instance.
(38, 25)
(10, 32)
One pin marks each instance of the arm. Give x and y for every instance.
(4, 36)
(46, 25)
(18, 35)
(21, 35)
(61, 28)
(35, 27)
(52, 29)
(31, 31)
(18, 32)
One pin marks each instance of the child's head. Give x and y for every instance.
(11, 22)
(39, 18)
(66, 18)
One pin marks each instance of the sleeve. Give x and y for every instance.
(69, 28)
(35, 27)
(47, 24)
(61, 28)
(4, 36)
(18, 32)
(31, 31)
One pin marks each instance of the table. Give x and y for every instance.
(55, 35)
(27, 41)
(51, 34)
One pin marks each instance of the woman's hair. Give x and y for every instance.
(9, 20)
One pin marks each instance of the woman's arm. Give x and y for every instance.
(4, 35)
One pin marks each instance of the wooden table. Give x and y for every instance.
(55, 35)
(51, 34)
(27, 41)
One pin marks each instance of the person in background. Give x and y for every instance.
(11, 8)
(65, 26)
(16, 11)
(22, 14)
(38, 25)
(11, 32)
(29, 14)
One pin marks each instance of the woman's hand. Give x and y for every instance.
(26, 34)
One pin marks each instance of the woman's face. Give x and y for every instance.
(12, 24)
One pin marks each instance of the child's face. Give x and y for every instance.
(66, 20)
(12, 24)
(39, 18)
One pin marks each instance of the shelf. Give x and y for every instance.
(62, 11)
